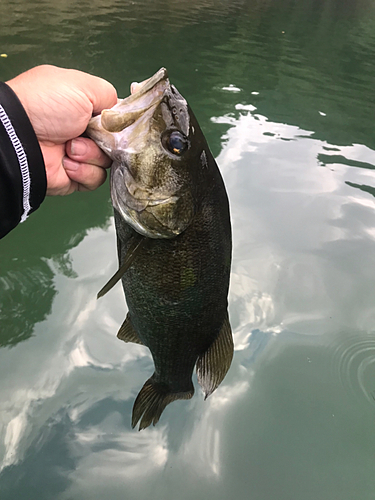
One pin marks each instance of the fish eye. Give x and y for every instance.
(176, 143)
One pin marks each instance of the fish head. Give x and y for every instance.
(156, 147)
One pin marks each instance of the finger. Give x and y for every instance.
(58, 182)
(101, 93)
(88, 176)
(83, 150)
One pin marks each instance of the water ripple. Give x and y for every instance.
(354, 362)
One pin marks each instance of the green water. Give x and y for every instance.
(284, 91)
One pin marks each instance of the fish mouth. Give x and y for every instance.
(104, 128)
(138, 211)
(144, 87)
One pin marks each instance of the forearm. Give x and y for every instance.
(22, 173)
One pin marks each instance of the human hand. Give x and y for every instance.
(59, 103)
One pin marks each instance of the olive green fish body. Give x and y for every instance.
(166, 187)
(176, 289)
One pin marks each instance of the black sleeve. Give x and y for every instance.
(23, 180)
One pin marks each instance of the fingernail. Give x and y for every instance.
(134, 87)
(78, 147)
(69, 164)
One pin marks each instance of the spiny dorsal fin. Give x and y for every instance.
(127, 332)
(213, 365)
(152, 400)
(134, 247)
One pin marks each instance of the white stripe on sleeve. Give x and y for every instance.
(22, 160)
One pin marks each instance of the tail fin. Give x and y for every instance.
(152, 400)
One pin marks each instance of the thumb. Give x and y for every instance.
(101, 93)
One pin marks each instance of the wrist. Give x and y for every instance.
(23, 162)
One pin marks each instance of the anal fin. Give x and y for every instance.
(212, 366)
(152, 400)
(127, 332)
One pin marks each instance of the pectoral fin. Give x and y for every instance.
(134, 247)
(127, 332)
(213, 365)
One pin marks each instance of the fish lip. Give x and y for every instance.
(148, 95)
(149, 84)
(130, 214)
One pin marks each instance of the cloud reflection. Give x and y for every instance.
(288, 212)
(73, 337)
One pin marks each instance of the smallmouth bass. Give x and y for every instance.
(173, 239)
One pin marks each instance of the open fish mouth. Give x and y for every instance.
(127, 111)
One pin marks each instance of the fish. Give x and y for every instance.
(174, 242)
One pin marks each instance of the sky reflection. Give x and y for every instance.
(79, 382)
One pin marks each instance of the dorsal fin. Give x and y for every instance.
(134, 247)
(127, 332)
(212, 366)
